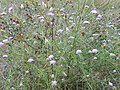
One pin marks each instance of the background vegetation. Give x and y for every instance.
(60, 45)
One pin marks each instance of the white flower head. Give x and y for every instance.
(51, 23)
(42, 20)
(41, 17)
(10, 38)
(94, 11)
(35, 42)
(86, 6)
(5, 41)
(113, 7)
(89, 51)
(54, 83)
(95, 58)
(99, 17)
(51, 14)
(78, 52)
(51, 57)
(26, 71)
(12, 88)
(14, 23)
(30, 60)
(5, 56)
(119, 33)
(10, 9)
(87, 75)
(94, 51)
(112, 55)
(22, 6)
(104, 41)
(52, 76)
(52, 62)
(96, 34)
(3, 13)
(114, 71)
(61, 65)
(110, 84)
(1, 44)
(62, 9)
(21, 84)
(62, 79)
(109, 40)
(86, 22)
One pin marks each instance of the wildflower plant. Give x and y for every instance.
(58, 45)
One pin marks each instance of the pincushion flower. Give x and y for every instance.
(94, 11)
(21, 84)
(22, 6)
(26, 71)
(3, 13)
(5, 56)
(52, 76)
(42, 20)
(1, 44)
(94, 51)
(52, 62)
(95, 58)
(10, 38)
(78, 52)
(109, 40)
(95, 35)
(110, 84)
(99, 17)
(14, 23)
(112, 55)
(12, 88)
(86, 6)
(40, 17)
(104, 41)
(86, 22)
(89, 51)
(114, 71)
(119, 33)
(51, 14)
(62, 9)
(5, 41)
(51, 57)
(30, 60)
(10, 9)
(54, 83)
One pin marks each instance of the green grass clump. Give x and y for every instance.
(59, 45)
